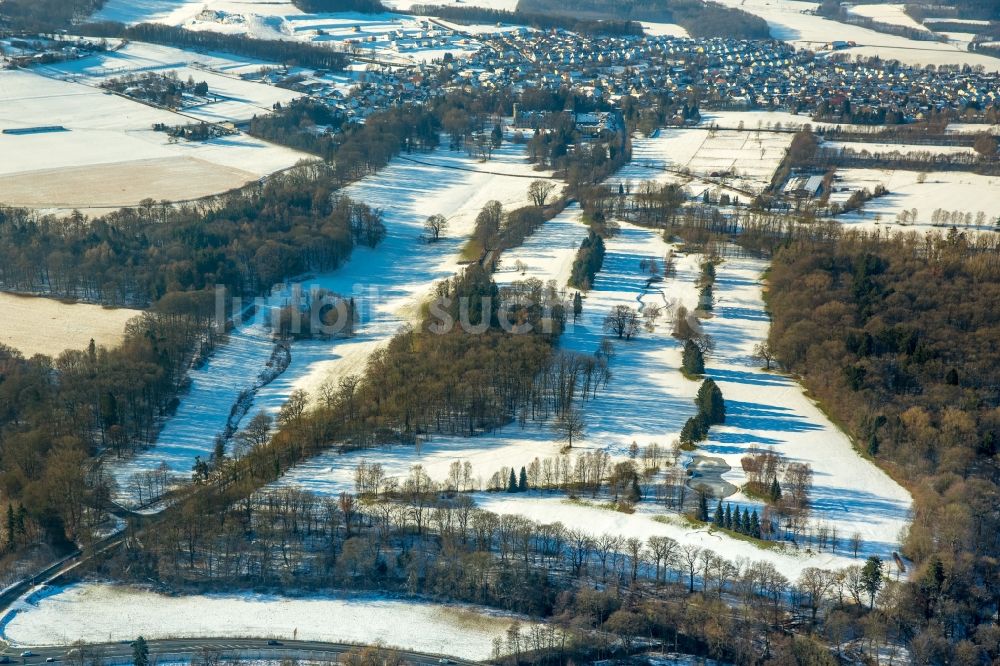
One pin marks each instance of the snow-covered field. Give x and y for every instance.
(37, 325)
(893, 14)
(902, 148)
(945, 190)
(237, 99)
(109, 155)
(100, 612)
(389, 283)
(794, 21)
(744, 159)
(548, 255)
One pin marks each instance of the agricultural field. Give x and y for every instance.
(36, 325)
(795, 22)
(231, 98)
(959, 194)
(389, 283)
(107, 155)
(97, 612)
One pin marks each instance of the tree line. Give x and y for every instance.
(285, 51)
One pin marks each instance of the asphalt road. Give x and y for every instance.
(255, 648)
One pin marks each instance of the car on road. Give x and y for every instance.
(444, 660)
(274, 642)
(27, 653)
(4, 659)
(49, 660)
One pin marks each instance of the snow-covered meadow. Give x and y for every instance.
(951, 191)
(236, 99)
(100, 612)
(37, 325)
(388, 282)
(109, 155)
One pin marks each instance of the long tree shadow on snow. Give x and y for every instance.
(755, 378)
(830, 499)
(753, 416)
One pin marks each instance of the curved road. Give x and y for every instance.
(225, 648)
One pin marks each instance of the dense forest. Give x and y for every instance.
(326, 6)
(45, 15)
(897, 338)
(288, 52)
(55, 415)
(245, 241)
(700, 19)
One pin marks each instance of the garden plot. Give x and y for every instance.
(105, 142)
(36, 325)
(950, 191)
(795, 22)
(101, 612)
(735, 161)
(388, 283)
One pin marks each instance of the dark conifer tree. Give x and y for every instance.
(703, 507)
(512, 482)
(719, 518)
(522, 483)
(729, 517)
(692, 360)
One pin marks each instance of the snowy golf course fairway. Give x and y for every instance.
(647, 399)
(97, 612)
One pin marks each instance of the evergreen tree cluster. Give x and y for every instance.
(742, 521)
(706, 282)
(589, 259)
(692, 360)
(517, 483)
(711, 411)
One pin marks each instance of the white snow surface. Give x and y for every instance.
(99, 612)
(113, 133)
(946, 190)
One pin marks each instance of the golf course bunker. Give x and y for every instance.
(706, 473)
